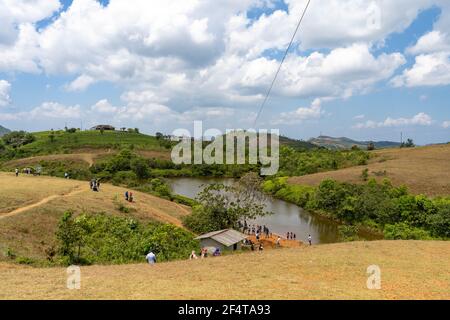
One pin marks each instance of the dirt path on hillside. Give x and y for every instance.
(85, 157)
(77, 190)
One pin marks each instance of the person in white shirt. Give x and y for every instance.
(151, 258)
(310, 240)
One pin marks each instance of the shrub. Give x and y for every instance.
(140, 167)
(110, 239)
(365, 174)
(348, 233)
(17, 139)
(402, 231)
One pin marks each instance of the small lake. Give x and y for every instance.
(286, 217)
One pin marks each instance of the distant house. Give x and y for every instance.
(227, 239)
(105, 127)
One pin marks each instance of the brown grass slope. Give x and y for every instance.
(409, 270)
(424, 170)
(30, 208)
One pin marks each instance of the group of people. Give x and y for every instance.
(129, 196)
(250, 243)
(28, 171)
(291, 236)
(204, 253)
(257, 230)
(95, 185)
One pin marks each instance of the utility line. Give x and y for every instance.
(281, 63)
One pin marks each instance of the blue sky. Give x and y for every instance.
(161, 66)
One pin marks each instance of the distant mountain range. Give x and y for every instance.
(4, 131)
(346, 143)
(297, 144)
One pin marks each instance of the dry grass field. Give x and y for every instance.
(424, 170)
(30, 208)
(409, 270)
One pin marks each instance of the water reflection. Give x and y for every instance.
(287, 217)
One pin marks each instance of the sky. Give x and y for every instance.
(368, 70)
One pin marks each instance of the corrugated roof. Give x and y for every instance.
(227, 237)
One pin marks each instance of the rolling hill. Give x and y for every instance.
(424, 170)
(30, 208)
(4, 131)
(346, 143)
(409, 270)
(297, 144)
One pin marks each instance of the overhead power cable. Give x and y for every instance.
(281, 63)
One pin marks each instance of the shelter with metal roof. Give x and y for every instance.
(227, 239)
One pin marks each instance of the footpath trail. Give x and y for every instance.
(77, 190)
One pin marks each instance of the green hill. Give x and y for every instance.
(48, 142)
(297, 144)
(4, 131)
(344, 143)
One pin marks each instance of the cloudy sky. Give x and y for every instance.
(363, 69)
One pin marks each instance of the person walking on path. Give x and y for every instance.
(126, 195)
(17, 172)
(278, 241)
(151, 258)
(310, 240)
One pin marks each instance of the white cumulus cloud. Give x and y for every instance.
(420, 119)
(5, 88)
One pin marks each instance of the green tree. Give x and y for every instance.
(17, 139)
(223, 206)
(408, 144)
(70, 236)
(140, 167)
(51, 136)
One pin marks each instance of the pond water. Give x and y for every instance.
(286, 217)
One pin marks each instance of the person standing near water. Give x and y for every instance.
(310, 240)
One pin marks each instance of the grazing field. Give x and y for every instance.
(409, 270)
(30, 208)
(424, 170)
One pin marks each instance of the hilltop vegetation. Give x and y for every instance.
(60, 142)
(130, 157)
(344, 143)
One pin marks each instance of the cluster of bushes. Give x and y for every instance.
(11, 142)
(100, 238)
(295, 163)
(381, 206)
